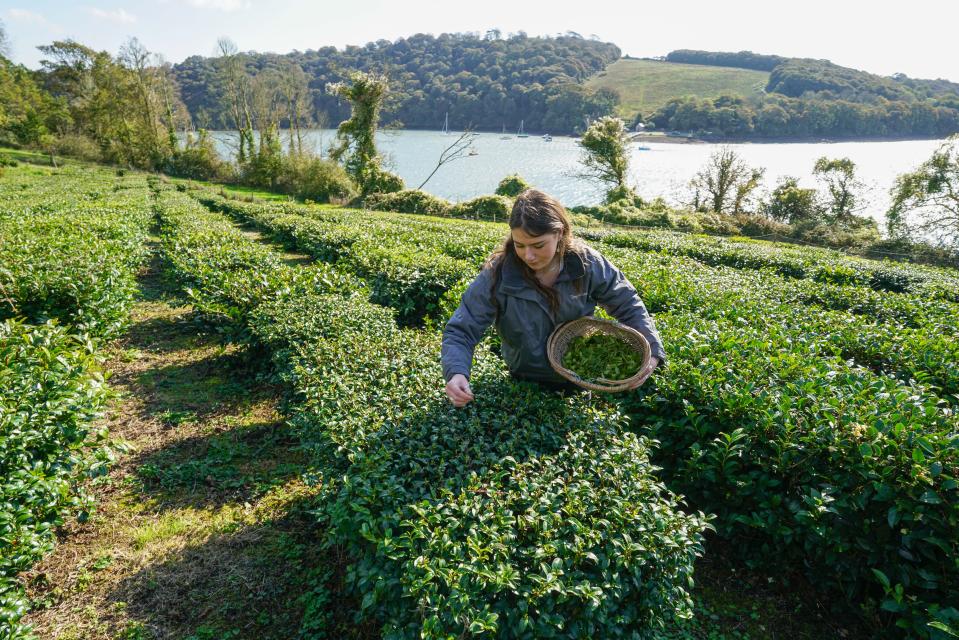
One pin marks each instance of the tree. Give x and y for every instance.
(605, 156)
(356, 143)
(839, 177)
(235, 84)
(725, 184)
(153, 98)
(792, 204)
(118, 103)
(458, 149)
(932, 192)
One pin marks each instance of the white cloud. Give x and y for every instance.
(117, 15)
(23, 15)
(222, 5)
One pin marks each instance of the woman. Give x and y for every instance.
(539, 279)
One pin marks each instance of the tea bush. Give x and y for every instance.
(71, 251)
(520, 515)
(51, 393)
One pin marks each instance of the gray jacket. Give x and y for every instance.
(525, 321)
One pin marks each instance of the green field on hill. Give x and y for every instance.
(646, 85)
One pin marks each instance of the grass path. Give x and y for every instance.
(200, 529)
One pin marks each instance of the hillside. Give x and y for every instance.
(806, 98)
(485, 82)
(646, 85)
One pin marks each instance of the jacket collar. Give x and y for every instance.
(513, 283)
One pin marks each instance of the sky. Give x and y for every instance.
(917, 38)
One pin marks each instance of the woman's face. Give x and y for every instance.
(536, 251)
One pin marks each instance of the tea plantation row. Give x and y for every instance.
(525, 515)
(766, 414)
(420, 267)
(70, 245)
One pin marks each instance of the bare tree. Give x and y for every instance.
(295, 87)
(726, 181)
(236, 85)
(136, 57)
(455, 151)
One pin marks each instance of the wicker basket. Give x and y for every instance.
(561, 337)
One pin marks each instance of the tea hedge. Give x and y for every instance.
(71, 242)
(400, 272)
(522, 516)
(72, 252)
(813, 263)
(225, 274)
(51, 393)
(767, 418)
(515, 516)
(849, 473)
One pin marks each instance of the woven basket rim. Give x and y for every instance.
(578, 327)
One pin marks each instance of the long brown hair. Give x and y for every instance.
(536, 213)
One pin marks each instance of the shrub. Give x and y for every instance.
(197, 160)
(511, 186)
(378, 180)
(409, 201)
(495, 208)
(76, 145)
(623, 196)
(761, 226)
(306, 176)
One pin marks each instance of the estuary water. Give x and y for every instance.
(661, 169)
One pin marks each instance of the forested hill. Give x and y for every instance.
(488, 81)
(810, 98)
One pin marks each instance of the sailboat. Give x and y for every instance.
(446, 124)
(504, 136)
(521, 133)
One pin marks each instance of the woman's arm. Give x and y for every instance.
(466, 327)
(617, 296)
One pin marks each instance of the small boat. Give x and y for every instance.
(473, 151)
(643, 148)
(521, 133)
(504, 136)
(547, 137)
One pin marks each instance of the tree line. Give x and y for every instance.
(484, 82)
(813, 98)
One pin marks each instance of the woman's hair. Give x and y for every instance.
(536, 214)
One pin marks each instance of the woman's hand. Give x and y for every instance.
(645, 373)
(458, 390)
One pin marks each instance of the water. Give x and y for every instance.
(664, 170)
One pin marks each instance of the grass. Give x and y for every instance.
(646, 85)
